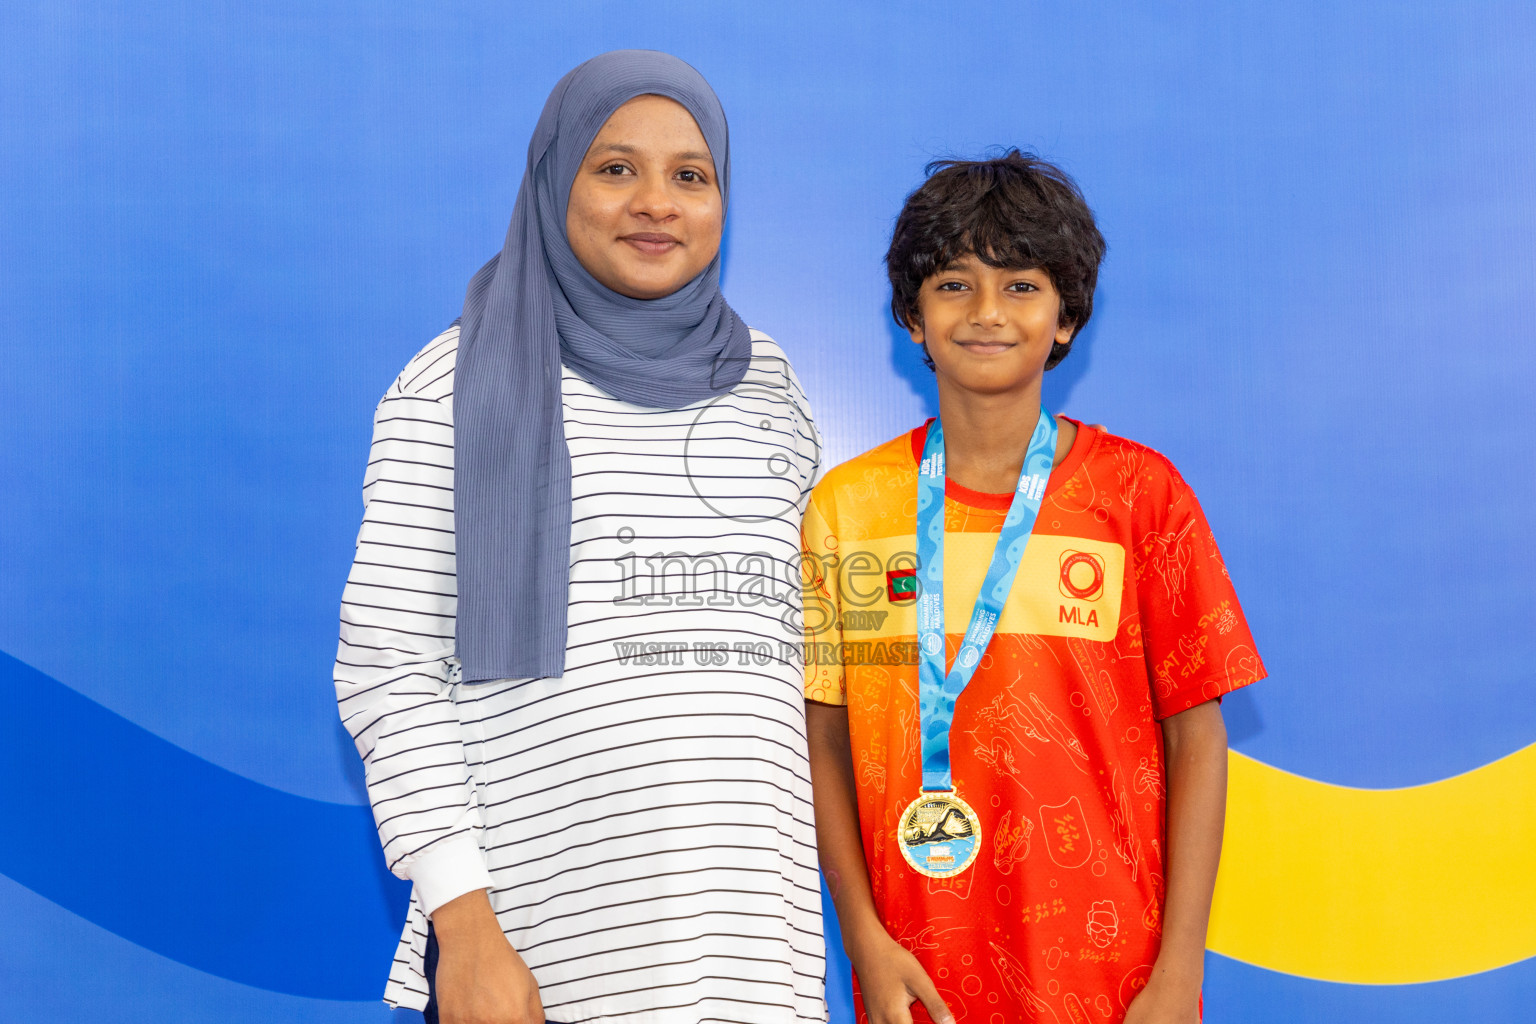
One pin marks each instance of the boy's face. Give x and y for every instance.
(989, 330)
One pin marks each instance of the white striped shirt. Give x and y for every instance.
(643, 823)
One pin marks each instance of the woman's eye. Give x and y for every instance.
(615, 169)
(692, 177)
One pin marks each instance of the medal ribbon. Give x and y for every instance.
(938, 692)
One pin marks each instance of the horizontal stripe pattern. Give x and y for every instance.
(646, 818)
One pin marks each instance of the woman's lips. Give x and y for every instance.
(651, 244)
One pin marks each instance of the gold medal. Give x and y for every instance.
(939, 835)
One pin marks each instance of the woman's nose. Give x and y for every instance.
(652, 198)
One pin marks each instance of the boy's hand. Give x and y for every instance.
(891, 980)
(1165, 1002)
(480, 978)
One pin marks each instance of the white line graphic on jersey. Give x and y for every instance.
(1169, 555)
(1103, 923)
(1016, 979)
(1066, 838)
(1127, 845)
(1010, 843)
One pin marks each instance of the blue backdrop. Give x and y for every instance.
(225, 227)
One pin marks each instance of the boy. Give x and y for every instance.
(1017, 750)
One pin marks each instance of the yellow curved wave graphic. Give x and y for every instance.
(1379, 886)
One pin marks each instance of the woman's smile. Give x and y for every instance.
(651, 243)
(645, 211)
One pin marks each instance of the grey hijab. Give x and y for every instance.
(527, 310)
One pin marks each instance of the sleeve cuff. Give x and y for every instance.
(1194, 694)
(447, 871)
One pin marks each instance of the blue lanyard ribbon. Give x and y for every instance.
(937, 692)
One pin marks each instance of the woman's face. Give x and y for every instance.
(645, 211)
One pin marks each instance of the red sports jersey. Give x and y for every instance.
(1121, 614)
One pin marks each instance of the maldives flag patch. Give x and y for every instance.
(901, 585)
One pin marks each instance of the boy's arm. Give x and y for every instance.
(1195, 753)
(890, 978)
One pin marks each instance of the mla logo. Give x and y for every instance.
(1082, 575)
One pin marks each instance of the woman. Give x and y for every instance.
(567, 645)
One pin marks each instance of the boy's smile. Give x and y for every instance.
(989, 329)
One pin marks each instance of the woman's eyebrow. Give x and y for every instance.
(629, 150)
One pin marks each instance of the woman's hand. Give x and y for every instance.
(891, 980)
(480, 978)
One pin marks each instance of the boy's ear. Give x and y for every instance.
(1065, 329)
(915, 328)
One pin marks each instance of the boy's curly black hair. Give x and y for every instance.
(1015, 211)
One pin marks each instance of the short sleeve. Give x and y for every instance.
(825, 682)
(1196, 639)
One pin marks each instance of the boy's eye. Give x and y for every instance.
(1023, 286)
(951, 286)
